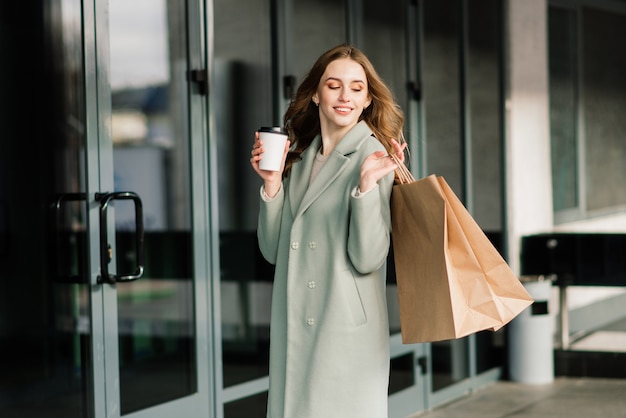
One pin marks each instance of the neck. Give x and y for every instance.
(332, 136)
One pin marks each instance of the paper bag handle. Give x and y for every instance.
(403, 174)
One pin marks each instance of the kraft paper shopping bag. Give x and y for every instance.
(451, 281)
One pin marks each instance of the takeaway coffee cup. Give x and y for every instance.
(274, 139)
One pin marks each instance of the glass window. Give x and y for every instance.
(604, 92)
(587, 101)
(563, 103)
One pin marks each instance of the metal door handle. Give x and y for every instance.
(105, 255)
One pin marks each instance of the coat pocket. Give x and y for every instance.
(353, 299)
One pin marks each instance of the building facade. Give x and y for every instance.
(129, 119)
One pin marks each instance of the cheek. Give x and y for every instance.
(327, 96)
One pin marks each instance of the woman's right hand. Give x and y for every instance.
(272, 179)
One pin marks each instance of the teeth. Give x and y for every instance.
(343, 109)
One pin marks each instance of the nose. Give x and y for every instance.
(344, 96)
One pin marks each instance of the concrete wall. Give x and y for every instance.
(527, 143)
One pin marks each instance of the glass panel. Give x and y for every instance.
(604, 92)
(563, 107)
(45, 341)
(484, 92)
(250, 407)
(490, 350)
(442, 105)
(151, 157)
(317, 27)
(450, 362)
(385, 31)
(243, 87)
(401, 373)
(444, 140)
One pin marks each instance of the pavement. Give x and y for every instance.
(564, 398)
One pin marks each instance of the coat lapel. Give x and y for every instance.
(300, 173)
(302, 195)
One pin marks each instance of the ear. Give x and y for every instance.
(315, 100)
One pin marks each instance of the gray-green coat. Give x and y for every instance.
(329, 347)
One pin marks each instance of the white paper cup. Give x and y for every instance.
(274, 140)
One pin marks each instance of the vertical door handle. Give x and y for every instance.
(422, 362)
(105, 255)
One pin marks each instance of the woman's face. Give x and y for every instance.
(342, 94)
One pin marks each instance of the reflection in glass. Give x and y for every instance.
(151, 157)
(45, 323)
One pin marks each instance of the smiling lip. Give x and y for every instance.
(342, 109)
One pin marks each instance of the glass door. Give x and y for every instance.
(103, 254)
(46, 321)
(158, 362)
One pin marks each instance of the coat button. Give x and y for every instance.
(310, 321)
(294, 245)
(312, 284)
(312, 245)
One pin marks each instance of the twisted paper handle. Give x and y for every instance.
(403, 174)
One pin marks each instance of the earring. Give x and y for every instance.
(316, 102)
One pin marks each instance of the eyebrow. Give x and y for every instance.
(338, 79)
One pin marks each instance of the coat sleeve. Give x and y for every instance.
(369, 229)
(268, 228)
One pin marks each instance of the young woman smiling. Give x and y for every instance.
(325, 223)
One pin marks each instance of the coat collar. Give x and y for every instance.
(300, 194)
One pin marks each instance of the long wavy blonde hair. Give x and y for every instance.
(383, 116)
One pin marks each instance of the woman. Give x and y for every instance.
(324, 222)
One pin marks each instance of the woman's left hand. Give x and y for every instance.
(378, 165)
